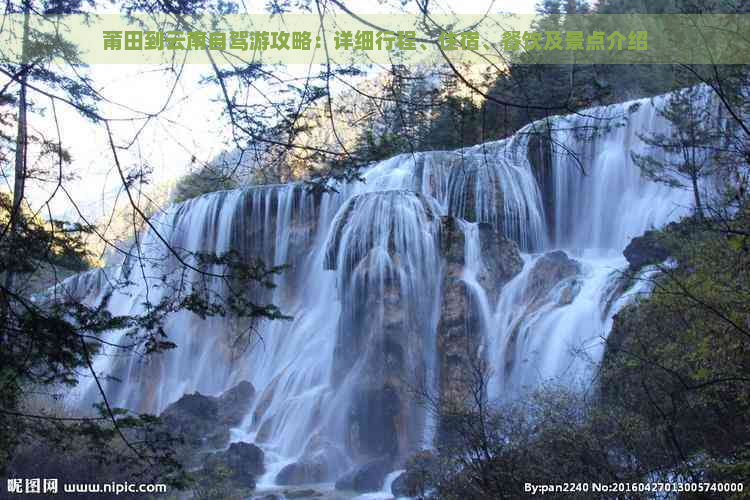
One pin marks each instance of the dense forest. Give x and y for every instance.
(306, 313)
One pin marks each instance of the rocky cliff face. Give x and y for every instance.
(459, 329)
(383, 317)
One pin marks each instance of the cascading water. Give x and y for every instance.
(367, 278)
(552, 319)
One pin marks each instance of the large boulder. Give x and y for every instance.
(203, 422)
(366, 477)
(242, 463)
(193, 418)
(302, 472)
(548, 272)
(234, 404)
(645, 250)
(553, 281)
(501, 260)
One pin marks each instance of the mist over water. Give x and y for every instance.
(365, 286)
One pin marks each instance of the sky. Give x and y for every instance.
(191, 124)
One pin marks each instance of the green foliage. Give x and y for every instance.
(219, 486)
(202, 181)
(50, 343)
(673, 7)
(457, 123)
(527, 92)
(374, 147)
(679, 359)
(55, 242)
(422, 112)
(44, 345)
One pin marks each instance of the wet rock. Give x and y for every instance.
(645, 250)
(330, 455)
(568, 291)
(266, 398)
(459, 323)
(540, 155)
(265, 430)
(203, 422)
(553, 281)
(548, 271)
(380, 342)
(193, 418)
(366, 477)
(243, 463)
(234, 404)
(475, 193)
(452, 241)
(619, 283)
(501, 258)
(372, 419)
(302, 494)
(303, 224)
(302, 472)
(403, 486)
(387, 199)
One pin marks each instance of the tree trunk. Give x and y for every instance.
(697, 197)
(19, 184)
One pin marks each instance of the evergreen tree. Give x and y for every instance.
(48, 341)
(38, 50)
(685, 154)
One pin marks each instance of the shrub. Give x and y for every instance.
(202, 181)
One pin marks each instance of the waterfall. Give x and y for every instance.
(597, 201)
(600, 199)
(366, 281)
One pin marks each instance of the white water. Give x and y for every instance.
(357, 254)
(386, 493)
